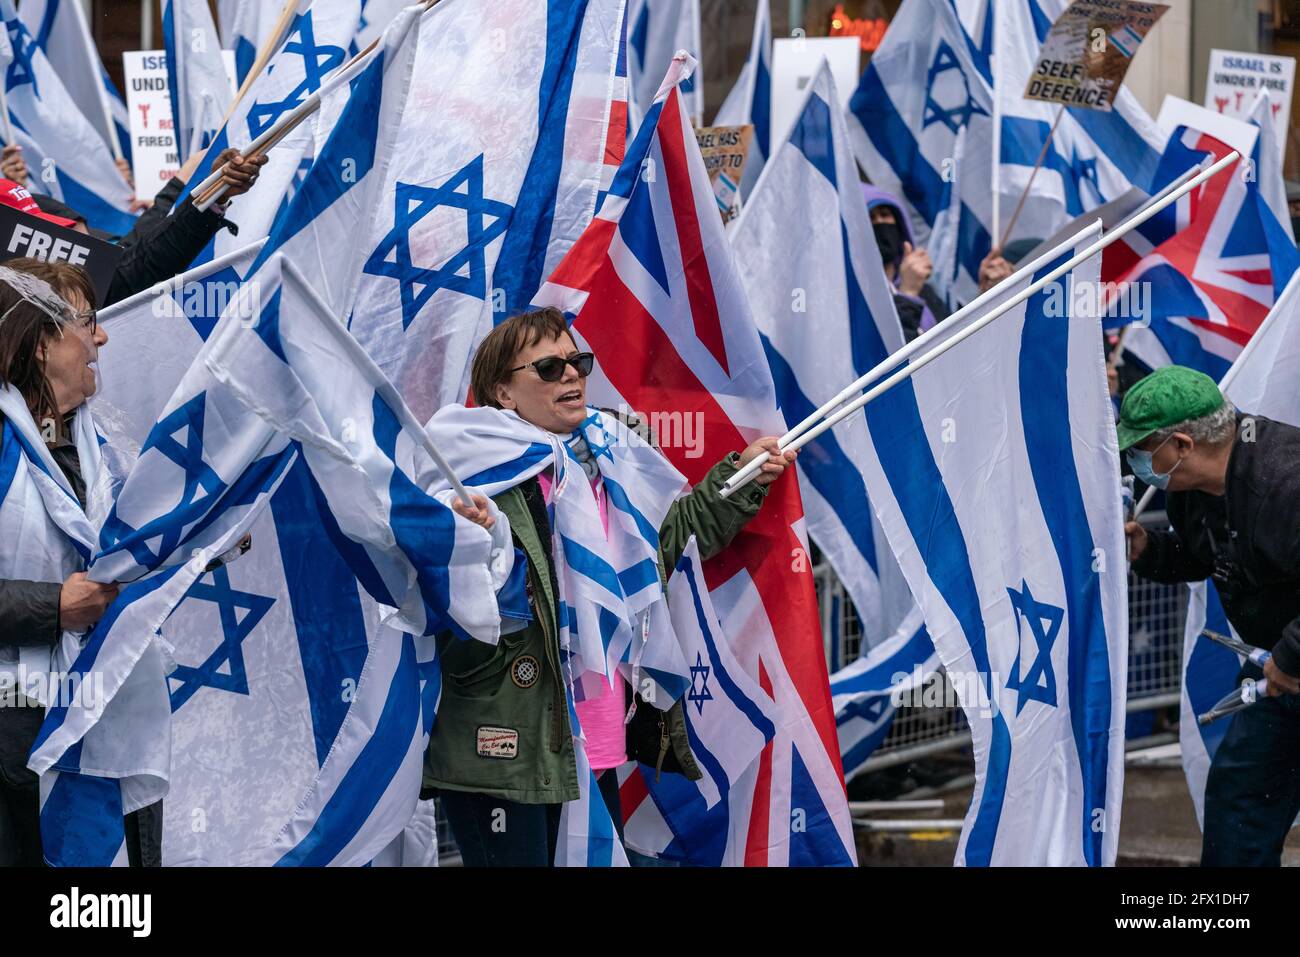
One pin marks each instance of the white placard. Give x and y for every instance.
(1237, 134)
(1234, 79)
(794, 63)
(148, 101)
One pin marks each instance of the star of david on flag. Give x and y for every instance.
(466, 271)
(1038, 683)
(317, 61)
(240, 613)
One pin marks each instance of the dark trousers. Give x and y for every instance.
(493, 832)
(20, 802)
(1252, 794)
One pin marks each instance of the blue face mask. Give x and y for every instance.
(1140, 463)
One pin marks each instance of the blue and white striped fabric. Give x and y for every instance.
(246, 27)
(611, 600)
(587, 837)
(315, 45)
(826, 316)
(922, 115)
(267, 755)
(996, 478)
(1264, 380)
(48, 533)
(60, 30)
(376, 15)
(750, 100)
(657, 29)
(487, 179)
(729, 718)
(866, 692)
(1095, 156)
(65, 153)
(196, 76)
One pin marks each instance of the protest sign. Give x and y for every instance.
(725, 149)
(22, 234)
(154, 158)
(1234, 79)
(1088, 50)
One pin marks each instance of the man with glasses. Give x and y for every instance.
(1233, 484)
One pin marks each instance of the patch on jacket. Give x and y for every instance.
(499, 743)
(525, 670)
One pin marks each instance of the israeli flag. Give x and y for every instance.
(66, 155)
(730, 719)
(196, 75)
(996, 478)
(1093, 157)
(315, 46)
(921, 102)
(246, 26)
(867, 693)
(487, 177)
(1267, 158)
(60, 31)
(376, 15)
(1264, 380)
(826, 316)
(657, 29)
(268, 782)
(750, 100)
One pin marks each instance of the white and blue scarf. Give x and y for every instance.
(45, 532)
(611, 606)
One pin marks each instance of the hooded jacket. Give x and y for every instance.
(915, 313)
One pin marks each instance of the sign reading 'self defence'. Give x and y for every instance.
(1088, 50)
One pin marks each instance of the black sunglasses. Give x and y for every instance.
(551, 369)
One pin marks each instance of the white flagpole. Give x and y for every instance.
(383, 385)
(992, 10)
(797, 438)
(93, 56)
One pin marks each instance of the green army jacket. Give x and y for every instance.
(503, 723)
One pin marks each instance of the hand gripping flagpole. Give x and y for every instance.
(1249, 692)
(806, 431)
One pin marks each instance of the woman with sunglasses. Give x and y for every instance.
(502, 752)
(49, 341)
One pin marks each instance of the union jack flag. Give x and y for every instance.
(655, 295)
(1213, 264)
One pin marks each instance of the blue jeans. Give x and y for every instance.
(1252, 794)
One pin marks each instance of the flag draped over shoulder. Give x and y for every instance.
(655, 268)
(65, 154)
(825, 315)
(996, 478)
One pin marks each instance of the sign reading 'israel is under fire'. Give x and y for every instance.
(1088, 50)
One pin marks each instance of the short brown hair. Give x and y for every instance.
(63, 278)
(496, 354)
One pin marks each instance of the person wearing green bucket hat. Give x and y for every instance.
(1233, 504)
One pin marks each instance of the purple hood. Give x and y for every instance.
(874, 196)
